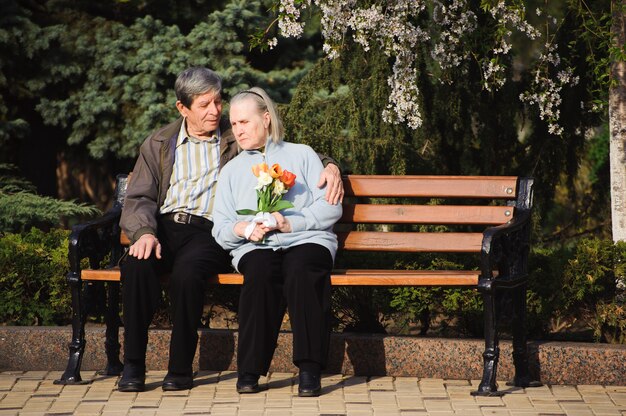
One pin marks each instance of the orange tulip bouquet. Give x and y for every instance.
(272, 184)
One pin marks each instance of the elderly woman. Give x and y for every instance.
(285, 257)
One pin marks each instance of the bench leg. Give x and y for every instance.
(488, 385)
(112, 320)
(520, 350)
(77, 345)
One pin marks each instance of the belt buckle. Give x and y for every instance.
(181, 218)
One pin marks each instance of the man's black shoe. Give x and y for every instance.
(309, 384)
(248, 383)
(177, 383)
(131, 384)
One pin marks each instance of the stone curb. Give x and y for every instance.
(45, 348)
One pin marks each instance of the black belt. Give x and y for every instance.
(185, 218)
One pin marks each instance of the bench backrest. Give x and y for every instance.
(416, 201)
(421, 205)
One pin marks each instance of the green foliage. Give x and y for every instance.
(466, 307)
(106, 82)
(544, 294)
(337, 110)
(583, 286)
(581, 204)
(586, 284)
(461, 308)
(594, 31)
(362, 309)
(32, 285)
(610, 323)
(21, 208)
(417, 303)
(21, 41)
(125, 90)
(559, 163)
(589, 277)
(572, 291)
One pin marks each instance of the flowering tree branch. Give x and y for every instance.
(400, 27)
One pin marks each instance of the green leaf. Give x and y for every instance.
(247, 212)
(280, 205)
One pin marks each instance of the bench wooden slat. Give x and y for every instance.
(425, 214)
(355, 277)
(104, 275)
(403, 242)
(432, 186)
(350, 277)
(410, 241)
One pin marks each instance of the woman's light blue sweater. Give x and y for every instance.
(312, 217)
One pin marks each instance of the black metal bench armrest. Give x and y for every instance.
(94, 240)
(505, 248)
(97, 238)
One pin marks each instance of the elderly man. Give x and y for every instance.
(167, 216)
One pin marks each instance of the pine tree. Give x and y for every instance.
(21, 208)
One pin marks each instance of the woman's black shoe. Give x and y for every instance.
(248, 383)
(133, 377)
(176, 383)
(131, 384)
(310, 384)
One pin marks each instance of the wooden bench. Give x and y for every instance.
(490, 217)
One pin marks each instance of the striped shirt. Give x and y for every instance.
(194, 176)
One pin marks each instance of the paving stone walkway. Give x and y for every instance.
(34, 393)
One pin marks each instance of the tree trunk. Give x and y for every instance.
(617, 123)
(82, 178)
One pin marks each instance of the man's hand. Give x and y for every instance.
(331, 177)
(142, 249)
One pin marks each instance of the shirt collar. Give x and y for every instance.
(184, 137)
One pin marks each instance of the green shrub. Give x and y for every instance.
(459, 308)
(466, 307)
(578, 289)
(589, 278)
(33, 266)
(571, 293)
(610, 322)
(22, 208)
(361, 309)
(544, 296)
(417, 304)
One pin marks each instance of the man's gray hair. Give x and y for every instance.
(196, 81)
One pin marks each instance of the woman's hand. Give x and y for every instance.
(257, 234)
(282, 224)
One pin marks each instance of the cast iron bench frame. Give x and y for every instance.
(503, 248)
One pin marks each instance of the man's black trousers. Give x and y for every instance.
(190, 254)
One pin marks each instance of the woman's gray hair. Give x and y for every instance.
(196, 81)
(263, 103)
